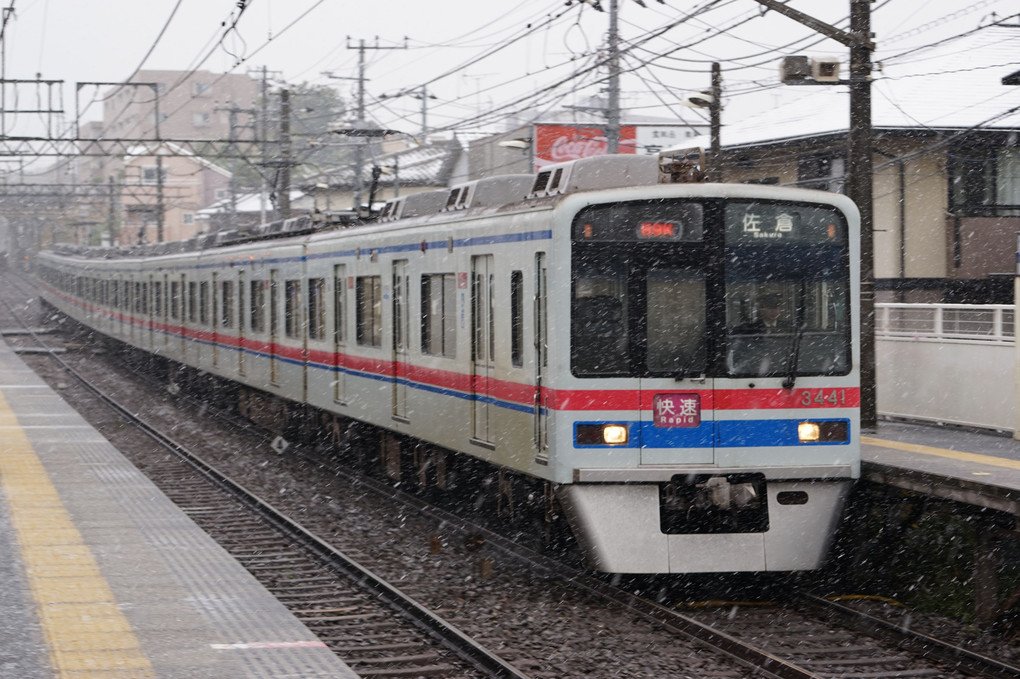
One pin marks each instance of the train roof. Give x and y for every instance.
(545, 187)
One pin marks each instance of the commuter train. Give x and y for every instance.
(590, 331)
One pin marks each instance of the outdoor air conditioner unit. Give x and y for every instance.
(794, 70)
(825, 70)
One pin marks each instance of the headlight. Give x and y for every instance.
(614, 434)
(602, 434)
(808, 432)
(828, 431)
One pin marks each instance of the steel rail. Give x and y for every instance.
(764, 663)
(915, 642)
(449, 636)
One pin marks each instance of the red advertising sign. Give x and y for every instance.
(560, 143)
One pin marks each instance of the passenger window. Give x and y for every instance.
(517, 316)
(368, 310)
(439, 314)
(317, 308)
(258, 306)
(292, 309)
(227, 304)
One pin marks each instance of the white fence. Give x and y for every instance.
(950, 363)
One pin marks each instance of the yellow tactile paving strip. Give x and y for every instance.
(942, 452)
(87, 634)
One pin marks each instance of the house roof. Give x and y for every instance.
(426, 165)
(953, 85)
(150, 150)
(246, 202)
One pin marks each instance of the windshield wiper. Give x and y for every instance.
(687, 371)
(791, 376)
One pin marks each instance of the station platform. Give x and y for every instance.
(104, 577)
(973, 467)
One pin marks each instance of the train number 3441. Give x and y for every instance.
(823, 398)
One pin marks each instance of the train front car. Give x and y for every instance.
(708, 412)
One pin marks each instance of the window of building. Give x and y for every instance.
(200, 119)
(825, 172)
(188, 218)
(199, 88)
(439, 314)
(368, 310)
(984, 181)
(152, 175)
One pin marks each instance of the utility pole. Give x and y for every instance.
(613, 112)
(714, 107)
(160, 205)
(232, 112)
(283, 186)
(424, 96)
(859, 173)
(421, 94)
(111, 220)
(359, 149)
(860, 189)
(262, 134)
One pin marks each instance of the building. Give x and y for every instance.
(166, 105)
(179, 105)
(163, 189)
(946, 154)
(435, 165)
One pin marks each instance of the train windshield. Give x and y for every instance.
(787, 293)
(651, 279)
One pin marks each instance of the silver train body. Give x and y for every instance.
(575, 327)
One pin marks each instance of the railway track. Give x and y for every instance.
(777, 641)
(375, 628)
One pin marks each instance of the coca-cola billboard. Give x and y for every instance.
(560, 143)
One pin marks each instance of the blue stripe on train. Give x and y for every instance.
(719, 434)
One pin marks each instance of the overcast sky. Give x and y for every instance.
(473, 56)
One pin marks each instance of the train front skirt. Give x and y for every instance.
(707, 521)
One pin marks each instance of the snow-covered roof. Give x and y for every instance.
(955, 84)
(428, 165)
(143, 151)
(246, 202)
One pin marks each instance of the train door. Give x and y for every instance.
(214, 318)
(150, 311)
(482, 347)
(167, 312)
(132, 314)
(181, 316)
(541, 415)
(242, 315)
(274, 323)
(339, 328)
(676, 410)
(401, 320)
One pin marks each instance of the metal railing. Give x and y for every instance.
(993, 323)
